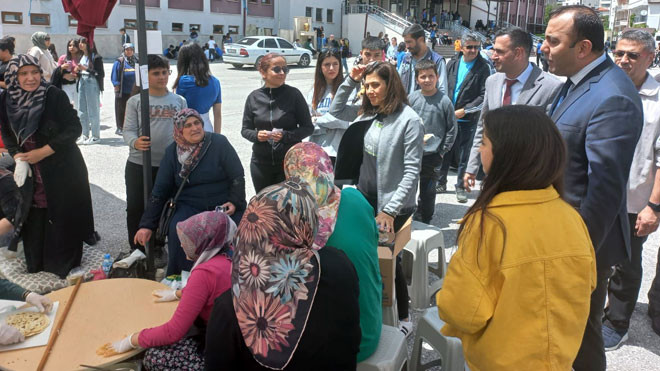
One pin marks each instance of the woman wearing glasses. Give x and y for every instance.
(275, 118)
(163, 105)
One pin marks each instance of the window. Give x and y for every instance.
(151, 25)
(177, 27)
(270, 43)
(328, 17)
(266, 2)
(285, 44)
(73, 22)
(268, 31)
(12, 17)
(248, 41)
(40, 19)
(319, 14)
(252, 1)
(131, 24)
(218, 29)
(194, 27)
(308, 11)
(232, 29)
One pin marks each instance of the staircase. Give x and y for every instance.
(383, 16)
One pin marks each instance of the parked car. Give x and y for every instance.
(249, 50)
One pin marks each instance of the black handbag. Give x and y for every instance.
(167, 214)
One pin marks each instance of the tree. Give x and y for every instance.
(548, 9)
(606, 21)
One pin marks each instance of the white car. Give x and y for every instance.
(250, 50)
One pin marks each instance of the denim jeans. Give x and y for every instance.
(462, 145)
(344, 64)
(89, 110)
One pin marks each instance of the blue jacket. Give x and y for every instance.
(601, 120)
(218, 178)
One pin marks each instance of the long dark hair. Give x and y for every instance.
(70, 57)
(192, 61)
(395, 94)
(91, 48)
(319, 80)
(528, 153)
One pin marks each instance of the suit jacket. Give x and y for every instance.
(601, 120)
(472, 90)
(539, 90)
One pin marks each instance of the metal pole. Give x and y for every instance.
(145, 124)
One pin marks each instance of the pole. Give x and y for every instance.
(145, 125)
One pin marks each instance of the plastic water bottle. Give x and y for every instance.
(107, 264)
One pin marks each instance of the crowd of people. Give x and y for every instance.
(570, 191)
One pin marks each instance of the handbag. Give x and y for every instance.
(167, 214)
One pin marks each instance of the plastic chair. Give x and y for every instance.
(391, 354)
(450, 348)
(391, 314)
(425, 238)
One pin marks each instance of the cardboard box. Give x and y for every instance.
(387, 261)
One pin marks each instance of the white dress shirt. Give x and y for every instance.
(575, 79)
(517, 87)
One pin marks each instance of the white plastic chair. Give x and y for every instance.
(424, 239)
(450, 348)
(391, 354)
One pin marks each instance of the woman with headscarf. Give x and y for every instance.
(215, 178)
(123, 80)
(39, 128)
(206, 241)
(41, 42)
(292, 306)
(346, 222)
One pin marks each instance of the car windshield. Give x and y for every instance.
(247, 41)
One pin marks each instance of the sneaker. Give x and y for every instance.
(81, 140)
(441, 188)
(406, 327)
(461, 195)
(92, 140)
(119, 132)
(612, 339)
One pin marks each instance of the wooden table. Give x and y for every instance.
(103, 311)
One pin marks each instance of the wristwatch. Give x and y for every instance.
(654, 207)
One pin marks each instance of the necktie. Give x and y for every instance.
(507, 92)
(562, 94)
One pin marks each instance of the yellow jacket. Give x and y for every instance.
(457, 45)
(522, 306)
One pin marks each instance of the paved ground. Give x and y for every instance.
(106, 162)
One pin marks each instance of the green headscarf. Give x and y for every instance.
(39, 40)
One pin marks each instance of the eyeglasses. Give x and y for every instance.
(472, 47)
(161, 72)
(278, 69)
(631, 55)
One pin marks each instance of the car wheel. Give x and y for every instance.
(257, 63)
(237, 65)
(304, 60)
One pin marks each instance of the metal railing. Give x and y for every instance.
(396, 22)
(457, 30)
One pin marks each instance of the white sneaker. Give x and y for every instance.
(406, 327)
(81, 140)
(92, 140)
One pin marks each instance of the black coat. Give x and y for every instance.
(64, 175)
(473, 89)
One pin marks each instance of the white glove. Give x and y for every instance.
(164, 295)
(21, 172)
(123, 346)
(42, 303)
(10, 335)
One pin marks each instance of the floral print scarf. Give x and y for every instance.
(312, 164)
(187, 153)
(275, 271)
(206, 235)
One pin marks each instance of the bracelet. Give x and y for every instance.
(655, 207)
(25, 294)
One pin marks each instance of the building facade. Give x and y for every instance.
(526, 14)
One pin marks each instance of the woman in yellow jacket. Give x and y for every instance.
(517, 290)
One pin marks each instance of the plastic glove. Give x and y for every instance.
(21, 172)
(10, 335)
(42, 303)
(164, 295)
(123, 346)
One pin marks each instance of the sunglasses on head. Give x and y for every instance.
(472, 47)
(278, 69)
(631, 55)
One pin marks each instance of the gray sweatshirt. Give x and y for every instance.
(328, 129)
(161, 113)
(437, 113)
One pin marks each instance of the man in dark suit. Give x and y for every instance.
(466, 86)
(599, 114)
(517, 82)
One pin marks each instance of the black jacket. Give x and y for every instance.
(284, 108)
(473, 89)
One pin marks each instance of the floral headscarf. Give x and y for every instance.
(24, 108)
(205, 235)
(312, 164)
(39, 40)
(275, 271)
(187, 153)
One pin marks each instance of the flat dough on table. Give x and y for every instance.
(29, 323)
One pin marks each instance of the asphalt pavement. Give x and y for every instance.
(106, 162)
